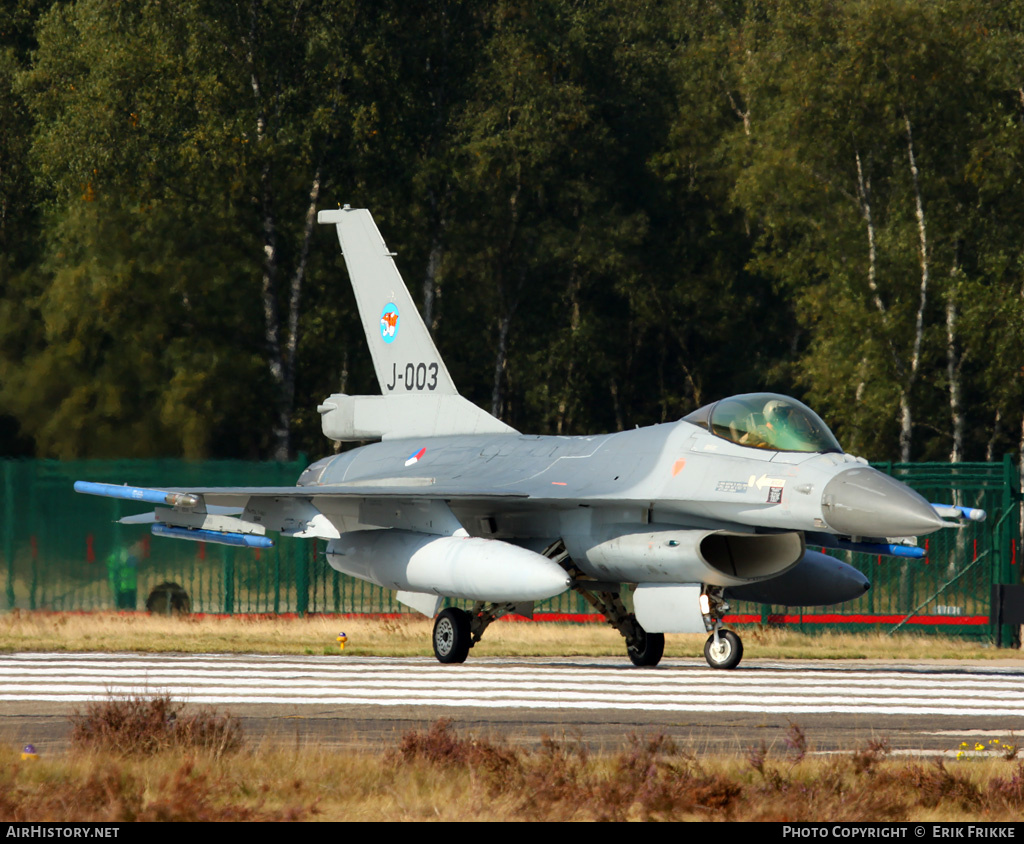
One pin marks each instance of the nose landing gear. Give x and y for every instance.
(723, 649)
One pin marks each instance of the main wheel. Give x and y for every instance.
(452, 636)
(648, 649)
(727, 654)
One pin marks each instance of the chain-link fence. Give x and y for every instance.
(64, 551)
(950, 589)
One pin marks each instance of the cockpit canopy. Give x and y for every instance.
(766, 420)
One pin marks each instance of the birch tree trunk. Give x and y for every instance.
(500, 362)
(431, 290)
(563, 417)
(281, 357)
(904, 382)
(508, 294)
(953, 376)
(906, 418)
(990, 447)
(271, 317)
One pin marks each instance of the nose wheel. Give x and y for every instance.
(723, 649)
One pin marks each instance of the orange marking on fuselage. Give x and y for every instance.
(677, 467)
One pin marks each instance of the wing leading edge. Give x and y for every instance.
(193, 497)
(241, 516)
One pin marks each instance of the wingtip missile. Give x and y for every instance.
(137, 493)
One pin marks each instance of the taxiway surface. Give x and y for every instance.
(370, 702)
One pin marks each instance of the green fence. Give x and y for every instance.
(950, 589)
(56, 547)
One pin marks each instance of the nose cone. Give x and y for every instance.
(866, 502)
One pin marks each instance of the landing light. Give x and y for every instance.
(705, 605)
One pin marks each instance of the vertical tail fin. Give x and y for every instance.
(404, 356)
(419, 397)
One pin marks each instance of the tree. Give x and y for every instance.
(19, 240)
(200, 131)
(867, 116)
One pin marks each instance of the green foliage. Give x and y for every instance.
(613, 213)
(844, 94)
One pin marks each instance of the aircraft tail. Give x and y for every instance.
(406, 361)
(403, 353)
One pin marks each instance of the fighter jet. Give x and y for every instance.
(658, 528)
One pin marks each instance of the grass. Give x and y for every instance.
(144, 726)
(134, 759)
(444, 774)
(409, 635)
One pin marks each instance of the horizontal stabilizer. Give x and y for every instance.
(358, 418)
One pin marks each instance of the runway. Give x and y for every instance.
(356, 701)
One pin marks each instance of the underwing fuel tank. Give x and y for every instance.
(665, 554)
(450, 566)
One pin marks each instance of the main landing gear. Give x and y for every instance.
(452, 636)
(644, 649)
(647, 648)
(722, 650)
(456, 631)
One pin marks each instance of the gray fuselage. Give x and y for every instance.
(586, 489)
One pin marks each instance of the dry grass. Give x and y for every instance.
(143, 726)
(444, 774)
(409, 635)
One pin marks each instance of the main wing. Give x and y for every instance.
(241, 516)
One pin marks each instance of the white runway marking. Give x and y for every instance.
(777, 688)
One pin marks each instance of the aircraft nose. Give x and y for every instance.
(866, 502)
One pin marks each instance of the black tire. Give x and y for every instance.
(168, 599)
(647, 650)
(452, 636)
(730, 653)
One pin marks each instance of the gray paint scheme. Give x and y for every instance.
(666, 504)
